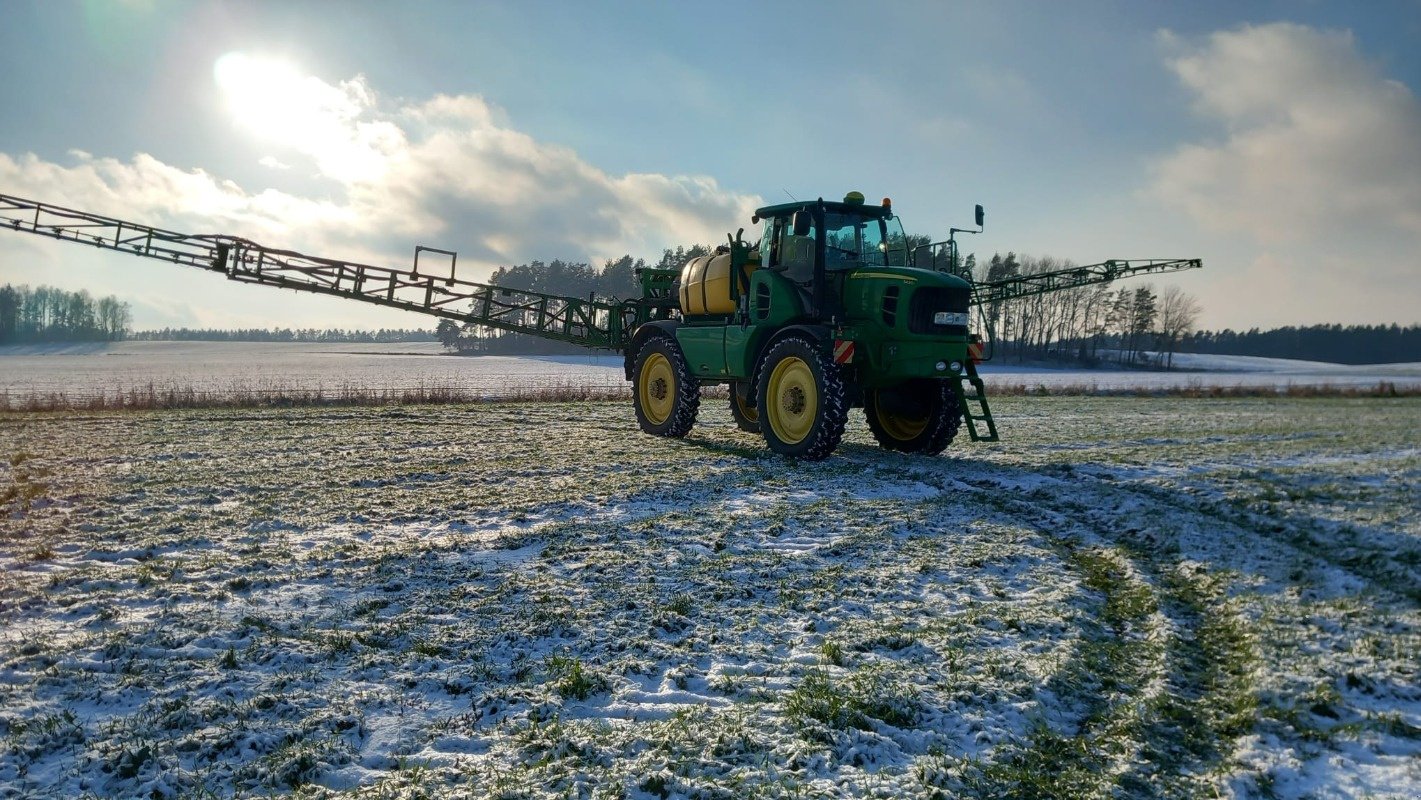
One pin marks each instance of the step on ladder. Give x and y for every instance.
(972, 396)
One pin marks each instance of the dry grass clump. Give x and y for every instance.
(152, 397)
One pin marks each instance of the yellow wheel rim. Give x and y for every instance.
(793, 400)
(657, 388)
(899, 427)
(746, 410)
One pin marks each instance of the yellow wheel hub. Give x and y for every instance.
(657, 388)
(900, 427)
(792, 400)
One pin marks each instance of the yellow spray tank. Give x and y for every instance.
(705, 284)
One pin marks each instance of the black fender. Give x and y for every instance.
(820, 334)
(659, 327)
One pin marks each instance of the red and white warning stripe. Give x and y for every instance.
(843, 351)
(974, 351)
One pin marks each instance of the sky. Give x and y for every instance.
(1280, 142)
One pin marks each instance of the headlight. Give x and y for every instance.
(950, 318)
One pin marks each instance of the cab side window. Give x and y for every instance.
(768, 251)
(796, 253)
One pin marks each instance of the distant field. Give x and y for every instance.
(97, 374)
(1127, 597)
(224, 368)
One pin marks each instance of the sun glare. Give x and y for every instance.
(269, 96)
(278, 103)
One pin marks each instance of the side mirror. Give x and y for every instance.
(980, 215)
(803, 221)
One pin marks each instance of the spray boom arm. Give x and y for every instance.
(591, 322)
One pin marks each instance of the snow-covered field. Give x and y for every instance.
(248, 367)
(1191, 370)
(87, 370)
(1127, 597)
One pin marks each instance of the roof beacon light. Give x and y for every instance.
(887, 203)
(854, 198)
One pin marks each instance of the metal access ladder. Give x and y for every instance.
(972, 398)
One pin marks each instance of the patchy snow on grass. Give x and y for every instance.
(1127, 597)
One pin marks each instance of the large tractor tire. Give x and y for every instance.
(801, 401)
(917, 417)
(747, 416)
(664, 392)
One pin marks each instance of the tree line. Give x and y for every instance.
(1134, 324)
(47, 314)
(1087, 324)
(616, 280)
(1338, 344)
(1137, 324)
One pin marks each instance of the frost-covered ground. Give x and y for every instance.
(1127, 597)
(87, 370)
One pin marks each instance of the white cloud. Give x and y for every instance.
(1315, 139)
(448, 172)
(330, 124)
(1312, 186)
(146, 190)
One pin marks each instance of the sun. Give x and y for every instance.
(268, 96)
(278, 103)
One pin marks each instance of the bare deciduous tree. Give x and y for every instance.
(1178, 313)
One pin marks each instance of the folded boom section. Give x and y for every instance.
(1017, 286)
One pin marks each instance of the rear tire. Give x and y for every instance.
(665, 394)
(801, 401)
(747, 416)
(916, 417)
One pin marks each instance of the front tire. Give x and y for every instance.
(801, 401)
(916, 417)
(665, 394)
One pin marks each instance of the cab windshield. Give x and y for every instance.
(852, 241)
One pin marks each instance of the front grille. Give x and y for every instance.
(930, 300)
(890, 306)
